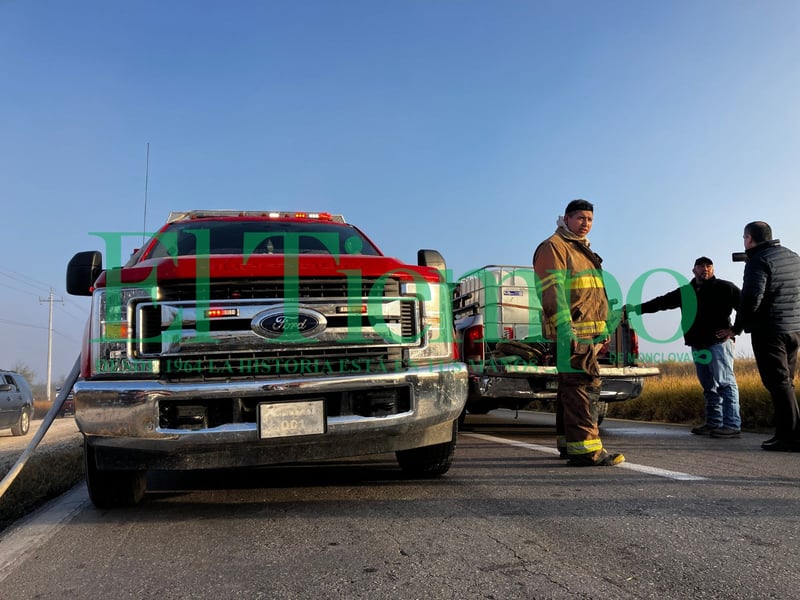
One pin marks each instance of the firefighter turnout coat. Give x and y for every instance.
(571, 287)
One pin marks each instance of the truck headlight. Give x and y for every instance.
(436, 335)
(112, 333)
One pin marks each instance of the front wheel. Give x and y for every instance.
(111, 489)
(429, 461)
(23, 424)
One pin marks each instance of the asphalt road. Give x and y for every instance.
(685, 517)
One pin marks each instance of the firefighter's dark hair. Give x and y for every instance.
(577, 205)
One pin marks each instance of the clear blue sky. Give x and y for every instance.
(463, 125)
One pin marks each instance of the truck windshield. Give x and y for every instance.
(200, 237)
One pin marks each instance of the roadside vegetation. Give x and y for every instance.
(675, 396)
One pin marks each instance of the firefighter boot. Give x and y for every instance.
(605, 459)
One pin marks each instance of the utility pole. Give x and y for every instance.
(50, 300)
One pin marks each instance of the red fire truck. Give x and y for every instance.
(236, 338)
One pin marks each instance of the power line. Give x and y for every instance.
(81, 309)
(8, 321)
(64, 310)
(23, 278)
(66, 337)
(31, 326)
(16, 289)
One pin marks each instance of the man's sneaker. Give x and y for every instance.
(562, 453)
(725, 432)
(703, 430)
(605, 460)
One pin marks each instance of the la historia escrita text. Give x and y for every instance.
(262, 366)
(307, 366)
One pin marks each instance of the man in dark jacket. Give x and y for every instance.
(709, 301)
(770, 312)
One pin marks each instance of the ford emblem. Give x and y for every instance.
(279, 322)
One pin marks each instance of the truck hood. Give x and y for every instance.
(234, 266)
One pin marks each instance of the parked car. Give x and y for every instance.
(16, 403)
(68, 408)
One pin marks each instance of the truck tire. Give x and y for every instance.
(23, 424)
(428, 461)
(112, 489)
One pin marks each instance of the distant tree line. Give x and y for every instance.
(38, 388)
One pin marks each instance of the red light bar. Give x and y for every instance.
(272, 214)
(216, 313)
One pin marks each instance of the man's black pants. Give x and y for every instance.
(776, 357)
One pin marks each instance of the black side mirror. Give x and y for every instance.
(82, 271)
(432, 258)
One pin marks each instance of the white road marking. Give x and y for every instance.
(21, 539)
(626, 465)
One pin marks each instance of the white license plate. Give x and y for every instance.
(285, 419)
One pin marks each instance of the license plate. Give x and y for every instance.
(551, 384)
(285, 419)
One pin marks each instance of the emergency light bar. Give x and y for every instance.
(205, 214)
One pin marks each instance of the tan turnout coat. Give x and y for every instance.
(569, 277)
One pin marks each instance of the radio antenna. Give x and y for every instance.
(146, 177)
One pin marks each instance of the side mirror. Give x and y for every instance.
(432, 258)
(82, 271)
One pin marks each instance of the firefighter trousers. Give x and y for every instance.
(577, 404)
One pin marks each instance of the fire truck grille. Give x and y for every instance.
(355, 329)
(307, 288)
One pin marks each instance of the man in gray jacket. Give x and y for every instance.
(770, 311)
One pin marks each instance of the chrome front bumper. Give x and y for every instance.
(120, 419)
(615, 389)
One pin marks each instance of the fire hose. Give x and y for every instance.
(46, 423)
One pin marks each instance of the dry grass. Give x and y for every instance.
(675, 396)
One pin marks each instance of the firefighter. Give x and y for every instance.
(575, 306)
